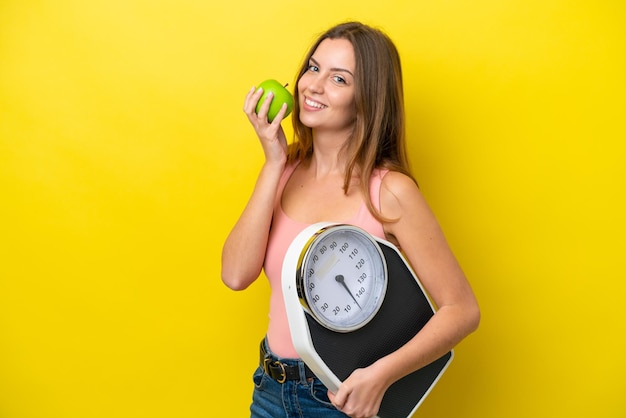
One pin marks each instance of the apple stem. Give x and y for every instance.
(286, 85)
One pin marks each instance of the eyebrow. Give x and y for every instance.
(332, 69)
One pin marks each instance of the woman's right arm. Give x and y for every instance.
(243, 253)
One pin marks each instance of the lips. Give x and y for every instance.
(312, 103)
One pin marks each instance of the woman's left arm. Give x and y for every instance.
(416, 230)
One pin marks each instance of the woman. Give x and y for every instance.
(347, 164)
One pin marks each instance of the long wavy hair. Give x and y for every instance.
(378, 137)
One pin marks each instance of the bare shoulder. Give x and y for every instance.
(396, 181)
(399, 192)
(411, 218)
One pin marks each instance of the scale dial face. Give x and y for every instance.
(342, 277)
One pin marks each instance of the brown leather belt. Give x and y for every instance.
(281, 372)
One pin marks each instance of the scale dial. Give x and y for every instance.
(342, 277)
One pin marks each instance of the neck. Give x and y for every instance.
(328, 156)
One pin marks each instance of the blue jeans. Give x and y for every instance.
(303, 398)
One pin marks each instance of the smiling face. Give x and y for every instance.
(326, 89)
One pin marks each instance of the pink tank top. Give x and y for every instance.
(283, 231)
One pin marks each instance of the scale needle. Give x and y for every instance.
(339, 278)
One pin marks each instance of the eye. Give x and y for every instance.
(339, 79)
(313, 68)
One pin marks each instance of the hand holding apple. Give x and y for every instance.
(281, 95)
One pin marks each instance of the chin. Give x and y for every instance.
(308, 121)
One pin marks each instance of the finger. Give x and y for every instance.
(265, 106)
(250, 93)
(336, 399)
(331, 396)
(280, 115)
(332, 399)
(252, 99)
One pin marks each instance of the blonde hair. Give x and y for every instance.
(378, 138)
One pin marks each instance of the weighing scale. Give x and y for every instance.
(352, 298)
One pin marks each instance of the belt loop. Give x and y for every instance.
(302, 371)
(266, 362)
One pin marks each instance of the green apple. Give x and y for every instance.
(281, 95)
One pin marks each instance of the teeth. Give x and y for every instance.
(314, 104)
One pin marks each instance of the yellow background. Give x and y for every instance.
(125, 158)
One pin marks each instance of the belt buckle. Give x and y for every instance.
(267, 362)
(283, 377)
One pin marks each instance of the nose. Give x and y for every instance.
(316, 84)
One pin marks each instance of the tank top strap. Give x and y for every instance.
(364, 217)
(375, 183)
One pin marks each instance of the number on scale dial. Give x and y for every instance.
(342, 277)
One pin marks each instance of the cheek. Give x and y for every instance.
(302, 83)
(347, 105)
